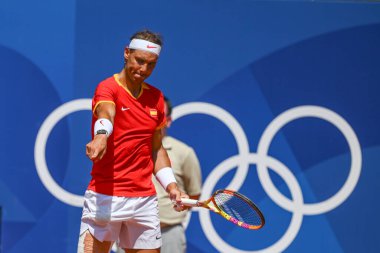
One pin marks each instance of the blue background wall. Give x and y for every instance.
(253, 60)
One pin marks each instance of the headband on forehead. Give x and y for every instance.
(145, 45)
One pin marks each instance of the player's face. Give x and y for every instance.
(140, 64)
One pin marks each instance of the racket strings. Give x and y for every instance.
(238, 208)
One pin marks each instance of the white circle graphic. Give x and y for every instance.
(353, 143)
(40, 148)
(233, 125)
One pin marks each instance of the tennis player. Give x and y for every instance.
(120, 203)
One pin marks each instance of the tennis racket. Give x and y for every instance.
(232, 206)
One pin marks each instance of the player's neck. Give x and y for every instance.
(133, 87)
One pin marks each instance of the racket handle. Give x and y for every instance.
(189, 202)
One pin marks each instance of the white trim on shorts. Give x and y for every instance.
(133, 222)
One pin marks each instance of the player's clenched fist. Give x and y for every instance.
(96, 149)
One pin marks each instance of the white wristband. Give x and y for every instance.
(165, 176)
(103, 124)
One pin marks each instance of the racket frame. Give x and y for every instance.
(213, 206)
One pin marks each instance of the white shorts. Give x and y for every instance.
(132, 222)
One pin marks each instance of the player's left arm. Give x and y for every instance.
(160, 156)
(164, 172)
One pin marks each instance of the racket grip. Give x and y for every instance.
(189, 202)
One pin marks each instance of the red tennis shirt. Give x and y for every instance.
(126, 168)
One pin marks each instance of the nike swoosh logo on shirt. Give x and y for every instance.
(125, 108)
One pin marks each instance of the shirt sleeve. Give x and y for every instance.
(104, 93)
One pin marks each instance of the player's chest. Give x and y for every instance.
(140, 113)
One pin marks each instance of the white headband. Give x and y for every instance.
(145, 45)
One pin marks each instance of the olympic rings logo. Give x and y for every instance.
(240, 161)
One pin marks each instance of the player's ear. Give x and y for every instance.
(126, 53)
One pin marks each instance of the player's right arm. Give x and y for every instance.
(96, 148)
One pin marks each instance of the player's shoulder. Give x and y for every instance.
(108, 85)
(109, 81)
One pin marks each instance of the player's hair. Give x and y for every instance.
(169, 106)
(149, 36)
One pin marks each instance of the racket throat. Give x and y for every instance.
(213, 207)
